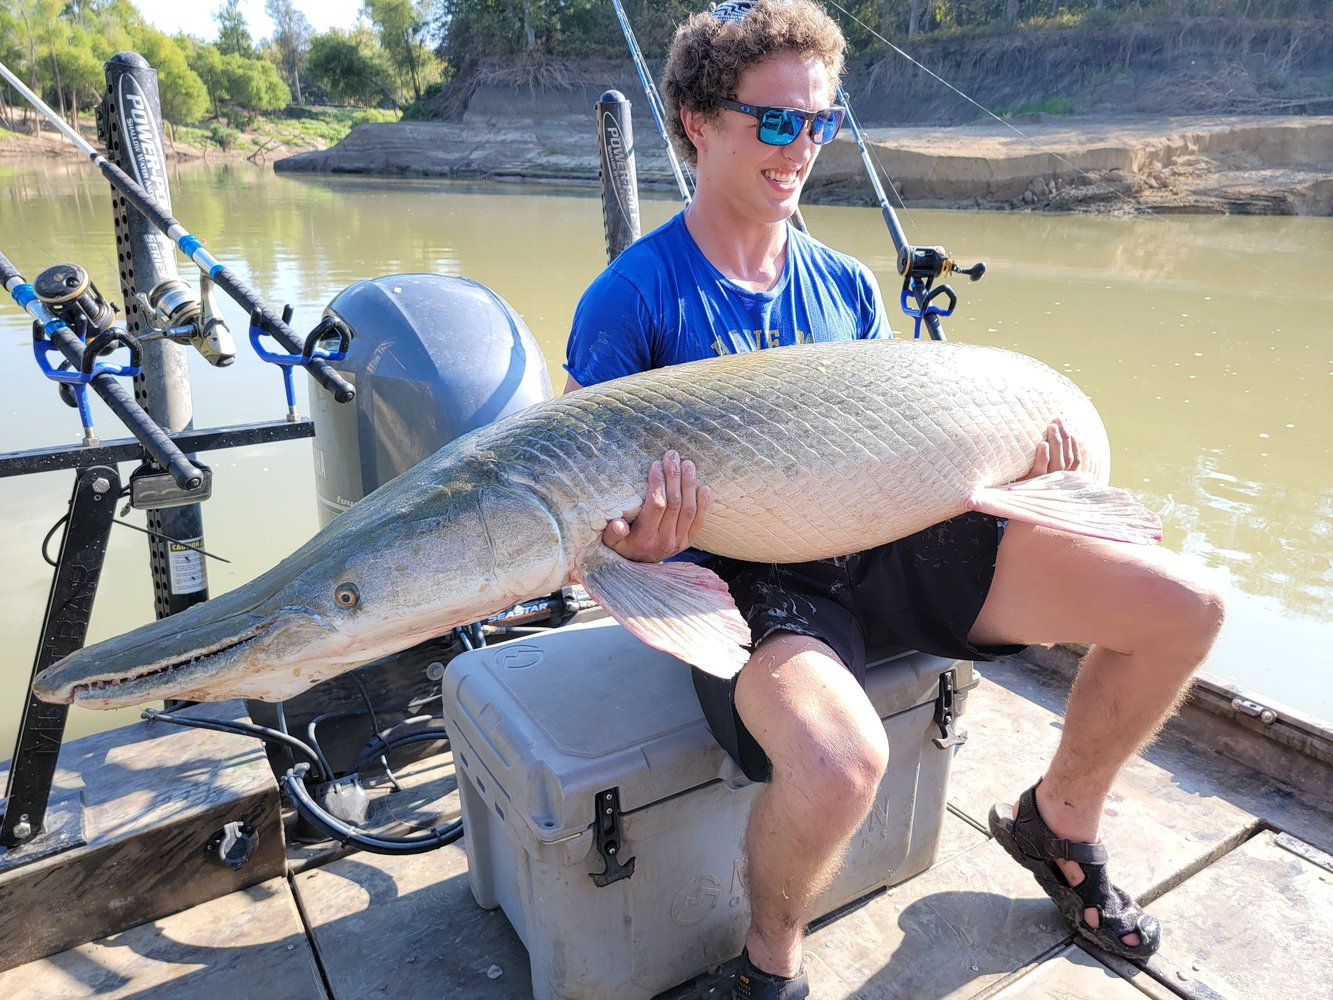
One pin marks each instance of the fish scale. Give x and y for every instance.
(883, 438)
(811, 452)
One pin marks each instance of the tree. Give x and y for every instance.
(83, 61)
(207, 63)
(233, 31)
(291, 37)
(179, 89)
(351, 67)
(402, 28)
(253, 84)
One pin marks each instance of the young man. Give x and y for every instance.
(750, 92)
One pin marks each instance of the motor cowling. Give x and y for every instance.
(432, 357)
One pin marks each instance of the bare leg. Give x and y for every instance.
(1152, 622)
(829, 751)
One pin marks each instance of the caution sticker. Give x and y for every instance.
(185, 565)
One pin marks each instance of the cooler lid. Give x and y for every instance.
(572, 712)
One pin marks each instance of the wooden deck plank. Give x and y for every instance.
(247, 944)
(408, 927)
(1073, 974)
(1257, 923)
(153, 797)
(1014, 727)
(956, 930)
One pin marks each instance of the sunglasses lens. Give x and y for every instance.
(826, 125)
(779, 127)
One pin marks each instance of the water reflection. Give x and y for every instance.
(1204, 342)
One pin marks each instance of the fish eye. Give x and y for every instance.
(346, 595)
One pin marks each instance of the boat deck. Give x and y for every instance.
(1236, 865)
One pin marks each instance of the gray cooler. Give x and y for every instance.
(601, 814)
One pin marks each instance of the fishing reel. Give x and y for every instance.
(173, 311)
(929, 263)
(920, 266)
(69, 293)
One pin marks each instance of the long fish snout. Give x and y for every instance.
(149, 663)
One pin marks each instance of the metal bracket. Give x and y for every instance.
(69, 606)
(232, 845)
(62, 830)
(606, 829)
(944, 717)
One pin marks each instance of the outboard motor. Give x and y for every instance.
(432, 357)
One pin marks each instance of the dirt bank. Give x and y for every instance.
(1238, 164)
(1189, 115)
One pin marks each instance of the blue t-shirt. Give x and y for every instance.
(661, 302)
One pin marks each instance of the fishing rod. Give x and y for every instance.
(306, 353)
(918, 266)
(52, 333)
(655, 105)
(659, 112)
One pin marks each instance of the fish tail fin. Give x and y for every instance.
(678, 607)
(1070, 501)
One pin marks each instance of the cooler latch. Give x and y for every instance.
(944, 717)
(606, 829)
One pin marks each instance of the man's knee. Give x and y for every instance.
(1189, 609)
(815, 723)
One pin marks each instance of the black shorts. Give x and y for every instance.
(921, 592)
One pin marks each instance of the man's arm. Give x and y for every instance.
(674, 505)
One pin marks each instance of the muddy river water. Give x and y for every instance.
(1206, 342)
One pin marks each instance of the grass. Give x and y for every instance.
(304, 126)
(1051, 106)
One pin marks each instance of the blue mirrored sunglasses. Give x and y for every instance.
(781, 126)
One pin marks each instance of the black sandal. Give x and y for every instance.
(755, 984)
(1030, 842)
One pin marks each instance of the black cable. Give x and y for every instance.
(293, 782)
(365, 696)
(240, 728)
(47, 540)
(280, 708)
(375, 728)
(386, 733)
(378, 747)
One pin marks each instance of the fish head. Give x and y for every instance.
(389, 573)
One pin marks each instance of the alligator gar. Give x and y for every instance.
(810, 451)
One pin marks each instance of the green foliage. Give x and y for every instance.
(470, 30)
(179, 88)
(233, 31)
(324, 126)
(351, 67)
(292, 32)
(402, 27)
(222, 136)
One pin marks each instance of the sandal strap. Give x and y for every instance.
(1037, 840)
(1120, 915)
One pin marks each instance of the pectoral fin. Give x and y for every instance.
(679, 608)
(1070, 501)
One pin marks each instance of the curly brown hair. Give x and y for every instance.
(709, 56)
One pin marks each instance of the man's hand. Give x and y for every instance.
(673, 512)
(1058, 453)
